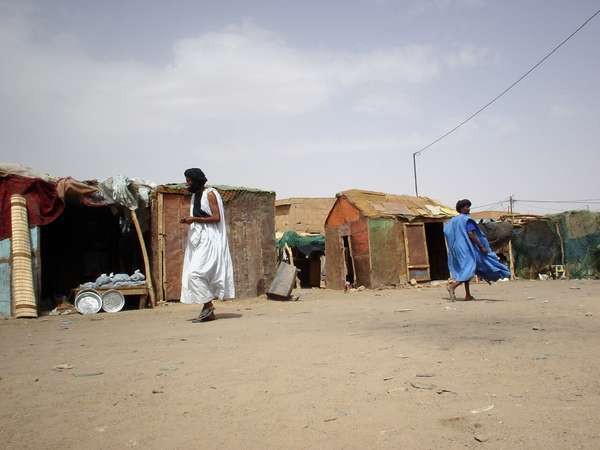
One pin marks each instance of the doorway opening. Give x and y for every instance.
(349, 261)
(309, 267)
(436, 248)
(81, 244)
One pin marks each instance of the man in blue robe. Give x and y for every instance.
(469, 252)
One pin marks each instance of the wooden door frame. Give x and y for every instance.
(407, 250)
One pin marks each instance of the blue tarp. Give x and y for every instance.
(465, 260)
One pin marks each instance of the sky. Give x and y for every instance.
(308, 98)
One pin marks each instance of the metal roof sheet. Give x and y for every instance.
(380, 204)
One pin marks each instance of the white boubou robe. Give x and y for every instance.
(207, 268)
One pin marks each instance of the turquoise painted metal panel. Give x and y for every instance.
(5, 292)
(5, 271)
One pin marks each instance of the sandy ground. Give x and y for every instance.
(372, 369)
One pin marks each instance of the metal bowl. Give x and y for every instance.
(88, 302)
(113, 301)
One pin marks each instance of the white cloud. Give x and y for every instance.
(467, 56)
(242, 92)
(382, 103)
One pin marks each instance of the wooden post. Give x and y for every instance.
(511, 260)
(138, 229)
(562, 249)
(510, 250)
(161, 247)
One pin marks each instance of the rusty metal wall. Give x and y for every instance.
(342, 212)
(250, 219)
(345, 220)
(251, 231)
(359, 238)
(335, 271)
(387, 252)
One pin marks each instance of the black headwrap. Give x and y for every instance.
(461, 204)
(197, 187)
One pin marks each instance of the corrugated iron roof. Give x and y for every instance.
(178, 187)
(380, 204)
(228, 193)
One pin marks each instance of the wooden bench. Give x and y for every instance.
(142, 291)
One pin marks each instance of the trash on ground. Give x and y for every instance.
(87, 374)
(425, 386)
(442, 391)
(283, 282)
(482, 410)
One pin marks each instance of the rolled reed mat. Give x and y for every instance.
(22, 275)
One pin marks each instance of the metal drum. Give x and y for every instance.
(113, 301)
(88, 302)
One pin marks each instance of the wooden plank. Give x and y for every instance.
(175, 206)
(126, 291)
(416, 251)
(161, 246)
(140, 236)
(154, 248)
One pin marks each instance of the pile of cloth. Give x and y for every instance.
(116, 281)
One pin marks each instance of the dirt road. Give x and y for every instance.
(372, 369)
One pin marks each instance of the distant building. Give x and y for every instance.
(302, 214)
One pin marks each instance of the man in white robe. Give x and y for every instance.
(207, 268)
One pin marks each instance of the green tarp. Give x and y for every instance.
(305, 244)
(537, 245)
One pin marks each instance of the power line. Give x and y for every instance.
(501, 94)
(584, 201)
(490, 204)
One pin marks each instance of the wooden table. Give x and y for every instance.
(142, 291)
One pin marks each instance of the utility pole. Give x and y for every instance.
(415, 173)
(511, 201)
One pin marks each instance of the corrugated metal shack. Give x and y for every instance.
(250, 218)
(375, 239)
